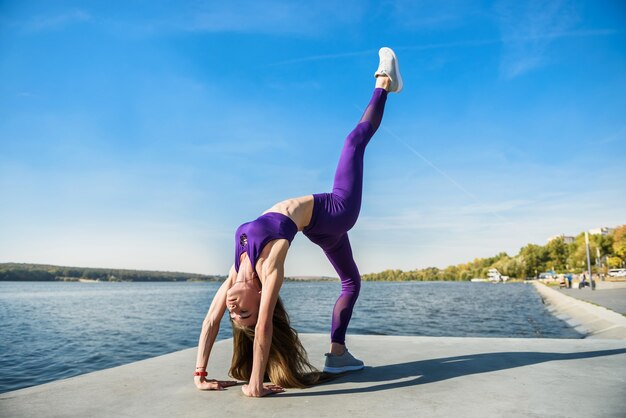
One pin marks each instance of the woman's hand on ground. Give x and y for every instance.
(264, 390)
(212, 384)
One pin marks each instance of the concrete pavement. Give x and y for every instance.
(405, 376)
(591, 320)
(614, 299)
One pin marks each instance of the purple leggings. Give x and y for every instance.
(335, 213)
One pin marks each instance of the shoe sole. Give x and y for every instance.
(342, 369)
(395, 59)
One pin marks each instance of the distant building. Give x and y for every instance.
(604, 230)
(566, 239)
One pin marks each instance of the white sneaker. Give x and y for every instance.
(343, 363)
(389, 66)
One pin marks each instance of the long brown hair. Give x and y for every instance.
(288, 364)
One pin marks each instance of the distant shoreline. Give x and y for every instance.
(27, 272)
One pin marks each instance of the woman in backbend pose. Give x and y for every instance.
(265, 345)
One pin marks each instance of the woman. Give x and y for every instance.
(265, 345)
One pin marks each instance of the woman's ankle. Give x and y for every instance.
(337, 349)
(383, 82)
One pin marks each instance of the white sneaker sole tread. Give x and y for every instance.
(342, 369)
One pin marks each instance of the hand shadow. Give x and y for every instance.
(435, 370)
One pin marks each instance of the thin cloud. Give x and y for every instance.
(51, 22)
(272, 17)
(526, 29)
(449, 178)
(500, 206)
(27, 94)
(250, 17)
(365, 52)
(427, 14)
(548, 36)
(250, 147)
(566, 34)
(616, 136)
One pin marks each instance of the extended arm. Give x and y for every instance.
(273, 272)
(210, 329)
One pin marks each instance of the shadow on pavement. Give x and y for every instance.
(436, 370)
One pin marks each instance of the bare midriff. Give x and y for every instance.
(298, 209)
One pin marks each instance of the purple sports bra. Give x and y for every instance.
(251, 237)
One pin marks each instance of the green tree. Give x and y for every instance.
(557, 252)
(533, 259)
(509, 266)
(619, 242)
(615, 262)
(577, 259)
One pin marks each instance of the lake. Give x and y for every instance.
(54, 330)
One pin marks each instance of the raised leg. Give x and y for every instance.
(348, 184)
(335, 213)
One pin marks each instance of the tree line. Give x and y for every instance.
(44, 272)
(606, 251)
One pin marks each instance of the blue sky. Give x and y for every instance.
(141, 135)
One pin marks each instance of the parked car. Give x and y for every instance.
(617, 272)
(550, 274)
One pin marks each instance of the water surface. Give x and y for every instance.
(55, 330)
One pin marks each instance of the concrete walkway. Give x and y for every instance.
(614, 299)
(592, 320)
(406, 376)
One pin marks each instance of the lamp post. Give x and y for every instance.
(591, 282)
(599, 264)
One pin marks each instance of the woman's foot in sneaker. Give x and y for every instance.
(341, 363)
(389, 67)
